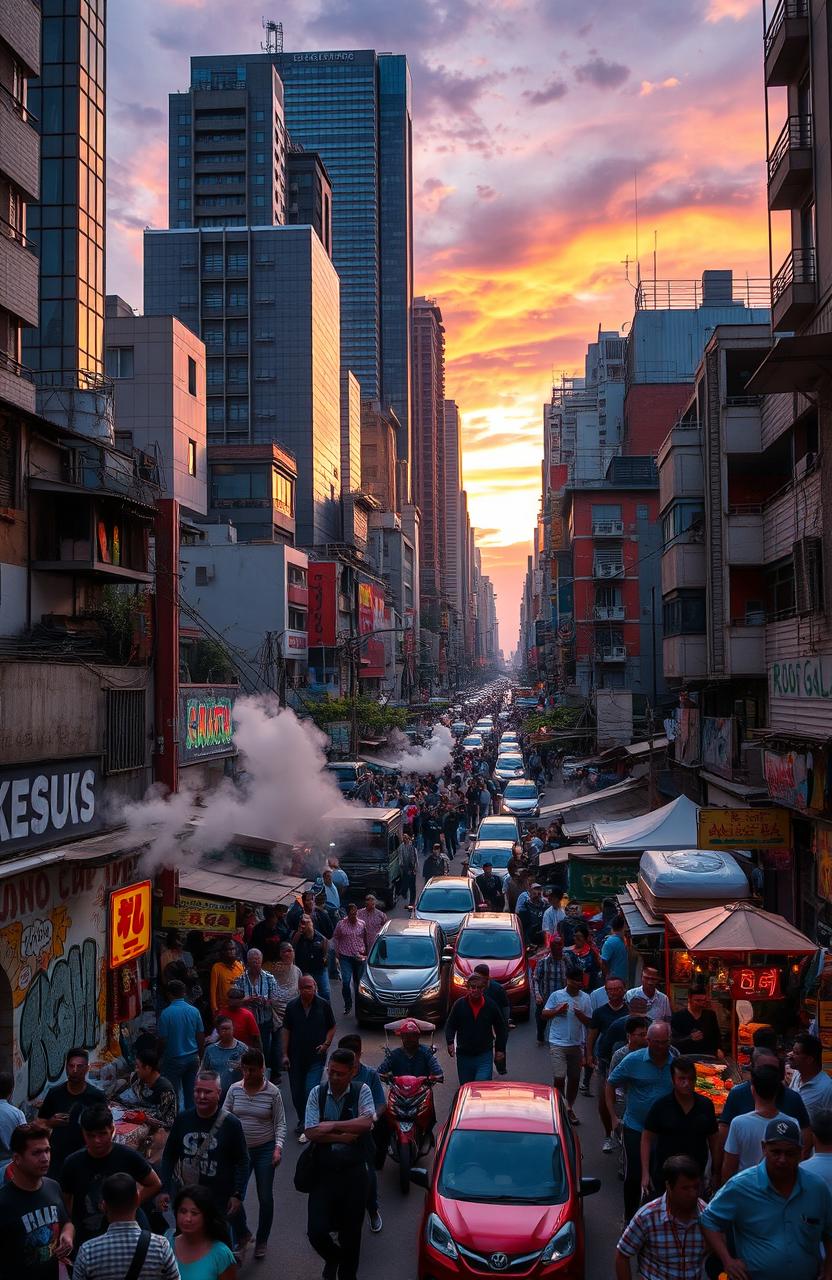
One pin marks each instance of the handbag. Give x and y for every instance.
(306, 1170)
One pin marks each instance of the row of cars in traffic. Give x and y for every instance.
(519, 795)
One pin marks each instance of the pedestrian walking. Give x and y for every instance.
(201, 1240)
(657, 1005)
(351, 947)
(605, 1013)
(63, 1103)
(308, 1028)
(85, 1172)
(257, 1104)
(370, 1076)
(181, 1042)
(821, 1162)
(567, 1012)
(475, 1033)
(260, 998)
(286, 975)
(224, 974)
(225, 1054)
(746, 1133)
(770, 1220)
(615, 957)
(434, 864)
(126, 1250)
(408, 865)
(683, 1123)
(549, 975)
(665, 1235)
(808, 1078)
(339, 1118)
(374, 919)
(646, 1075)
(311, 949)
(35, 1229)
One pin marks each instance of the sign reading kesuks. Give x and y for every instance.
(43, 803)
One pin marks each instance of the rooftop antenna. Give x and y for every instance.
(274, 36)
(635, 193)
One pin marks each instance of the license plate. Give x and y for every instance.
(396, 1010)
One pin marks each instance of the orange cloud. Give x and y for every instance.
(736, 9)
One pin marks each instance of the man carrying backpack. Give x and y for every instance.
(339, 1120)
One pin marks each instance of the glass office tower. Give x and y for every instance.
(68, 224)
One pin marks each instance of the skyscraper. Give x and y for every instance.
(68, 101)
(429, 437)
(354, 108)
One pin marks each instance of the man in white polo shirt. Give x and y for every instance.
(808, 1077)
(658, 1005)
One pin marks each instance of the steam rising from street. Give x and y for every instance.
(431, 758)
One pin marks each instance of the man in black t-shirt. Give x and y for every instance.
(308, 1028)
(84, 1171)
(682, 1123)
(35, 1230)
(208, 1146)
(62, 1106)
(695, 1030)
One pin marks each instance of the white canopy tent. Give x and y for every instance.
(674, 826)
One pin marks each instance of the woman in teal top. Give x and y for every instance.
(200, 1241)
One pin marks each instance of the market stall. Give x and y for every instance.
(673, 826)
(750, 962)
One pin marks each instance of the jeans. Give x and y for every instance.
(182, 1074)
(266, 1030)
(324, 989)
(337, 1204)
(303, 1077)
(260, 1164)
(450, 841)
(632, 1170)
(474, 1066)
(408, 883)
(540, 1025)
(351, 971)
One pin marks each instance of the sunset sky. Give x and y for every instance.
(531, 118)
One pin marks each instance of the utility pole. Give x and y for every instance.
(651, 785)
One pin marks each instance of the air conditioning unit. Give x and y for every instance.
(618, 652)
(805, 465)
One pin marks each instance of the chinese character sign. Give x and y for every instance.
(755, 984)
(129, 923)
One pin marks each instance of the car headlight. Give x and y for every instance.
(430, 992)
(561, 1245)
(460, 979)
(439, 1237)
(518, 981)
(364, 989)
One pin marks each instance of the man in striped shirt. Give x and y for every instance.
(549, 976)
(257, 1104)
(260, 996)
(665, 1235)
(108, 1257)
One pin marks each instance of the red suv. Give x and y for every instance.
(504, 1196)
(496, 938)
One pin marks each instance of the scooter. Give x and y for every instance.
(410, 1115)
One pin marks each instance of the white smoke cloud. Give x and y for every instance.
(285, 794)
(431, 758)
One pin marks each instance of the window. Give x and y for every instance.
(297, 576)
(183, 119)
(641, 512)
(183, 140)
(118, 362)
(126, 736)
(234, 484)
(212, 262)
(258, 202)
(283, 493)
(258, 115)
(192, 382)
(297, 620)
(238, 297)
(184, 162)
(259, 179)
(259, 136)
(684, 614)
(808, 573)
(183, 183)
(605, 511)
(212, 298)
(237, 261)
(780, 593)
(183, 203)
(8, 465)
(683, 517)
(192, 457)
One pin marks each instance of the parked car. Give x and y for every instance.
(473, 742)
(447, 900)
(521, 798)
(405, 975)
(508, 736)
(497, 852)
(505, 1191)
(349, 774)
(495, 937)
(508, 766)
(503, 826)
(458, 728)
(570, 767)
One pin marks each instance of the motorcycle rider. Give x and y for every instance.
(413, 1058)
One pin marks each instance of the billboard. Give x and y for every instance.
(205, 721)
(321, 621)
(371, 608)
(744, 829)
(41, 804)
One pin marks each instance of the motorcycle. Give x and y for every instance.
(410, 1116)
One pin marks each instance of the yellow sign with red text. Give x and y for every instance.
(129, 924)
(744, 829)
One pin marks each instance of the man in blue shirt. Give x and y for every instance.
(646, 1075)
(779, 1214)
(615, 961)
(181, 1041)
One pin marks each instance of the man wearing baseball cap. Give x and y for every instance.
(413, 1058)
(779, 1215)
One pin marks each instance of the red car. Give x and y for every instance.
(495, 938)
(505, 1192)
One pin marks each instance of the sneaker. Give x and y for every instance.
(260, 1252)
(375, 1222)
(608, 1147)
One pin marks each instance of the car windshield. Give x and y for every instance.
(510, 1168)
(509, 757)
(394, 951)
(520, 791)
(497, 857)
(497, 830)
(489, 944)
(451, 900)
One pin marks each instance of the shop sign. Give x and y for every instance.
(297, 645)
(802, 677)
(321, 577)
(786, 778)
(755, 984)
(589, 881)
(371, 608)
(43, 803)
(744, 829)
(205, 722)
(208, 915)
(129, 923)
(718, 745)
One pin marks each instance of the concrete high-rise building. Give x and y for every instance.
(452, 529)
(265, 302)
(354, 108)
(309, 193)
(227, 145)
(429, 438)
(19, 186)
(68, 101)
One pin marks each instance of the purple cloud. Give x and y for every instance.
(603, 74)
(552, 91)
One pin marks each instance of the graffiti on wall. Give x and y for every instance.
(60, 1011)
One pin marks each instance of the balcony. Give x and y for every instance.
(611, 653)
(16, 383)
(20, 29)
(93, 536)
(683, 565)
(747, 649)
(608, 529)
(684, 657)
(19, 145)
(607, 568)
(741, 424)
(744, 536)
(790, 165)
(609, 613)
(794, 291)
(787, 42)
(18, 274)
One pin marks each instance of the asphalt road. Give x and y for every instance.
(393, 1251)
